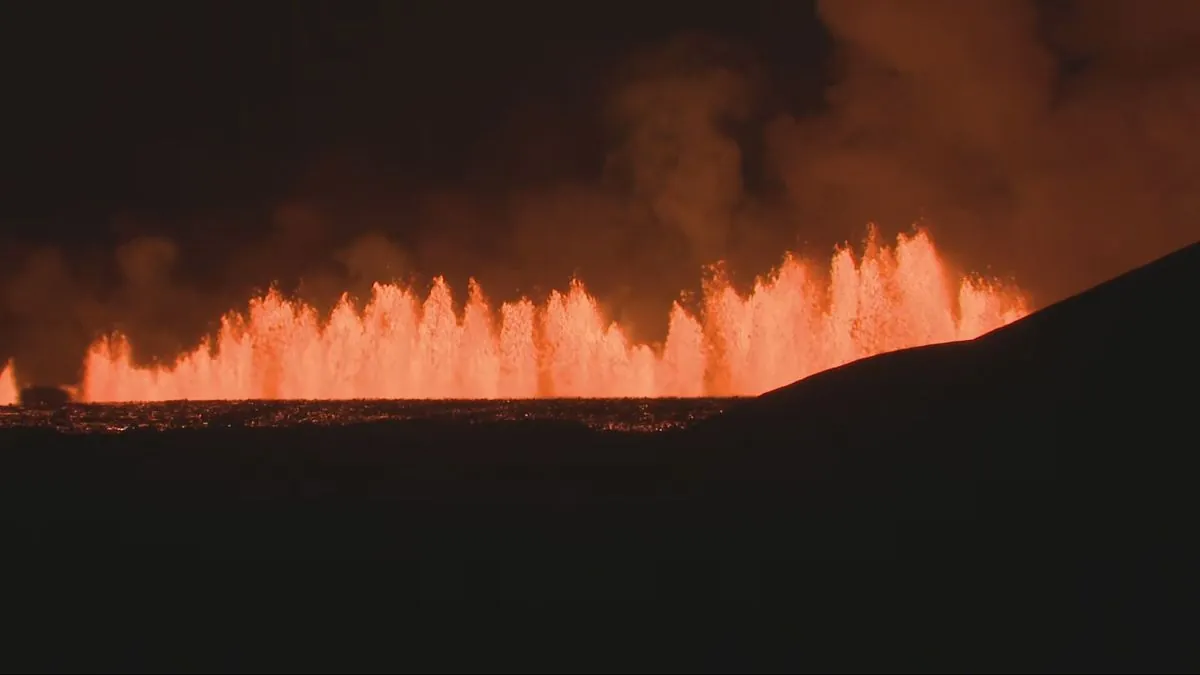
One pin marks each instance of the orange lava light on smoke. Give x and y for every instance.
(9, 394)
(795, 322)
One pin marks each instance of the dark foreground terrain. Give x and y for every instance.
(1022, 501)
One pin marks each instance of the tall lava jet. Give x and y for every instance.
(792, 324)
(9, 394)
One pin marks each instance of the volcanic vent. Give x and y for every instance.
(795, 322)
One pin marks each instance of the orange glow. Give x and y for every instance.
(9, 394)
(792, 324)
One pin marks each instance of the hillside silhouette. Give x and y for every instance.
(1097, 387)
(1020, 501)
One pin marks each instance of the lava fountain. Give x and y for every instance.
(793, 323)
(9, 394)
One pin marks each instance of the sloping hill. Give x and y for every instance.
(1046, 473)
(1116, 364)
(1083, 411)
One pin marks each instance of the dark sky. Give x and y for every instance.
(173, 109)
(160, 162)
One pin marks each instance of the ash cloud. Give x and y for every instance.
(49, 311)
(676, 156)
(1055, 142)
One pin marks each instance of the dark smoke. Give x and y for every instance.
(1052, 141)
(676, 157)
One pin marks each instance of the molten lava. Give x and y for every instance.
(793, 324)
(9, 393)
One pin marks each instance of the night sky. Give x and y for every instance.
(166, 111)
(160, 162)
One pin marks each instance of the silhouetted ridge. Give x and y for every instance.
(1110, 364)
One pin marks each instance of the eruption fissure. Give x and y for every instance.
(792, 324)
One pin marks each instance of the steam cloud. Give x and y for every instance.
(1053, 141)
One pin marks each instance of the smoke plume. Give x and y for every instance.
(1058, 146)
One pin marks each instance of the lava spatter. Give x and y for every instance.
(793, 323)
(9, 393)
